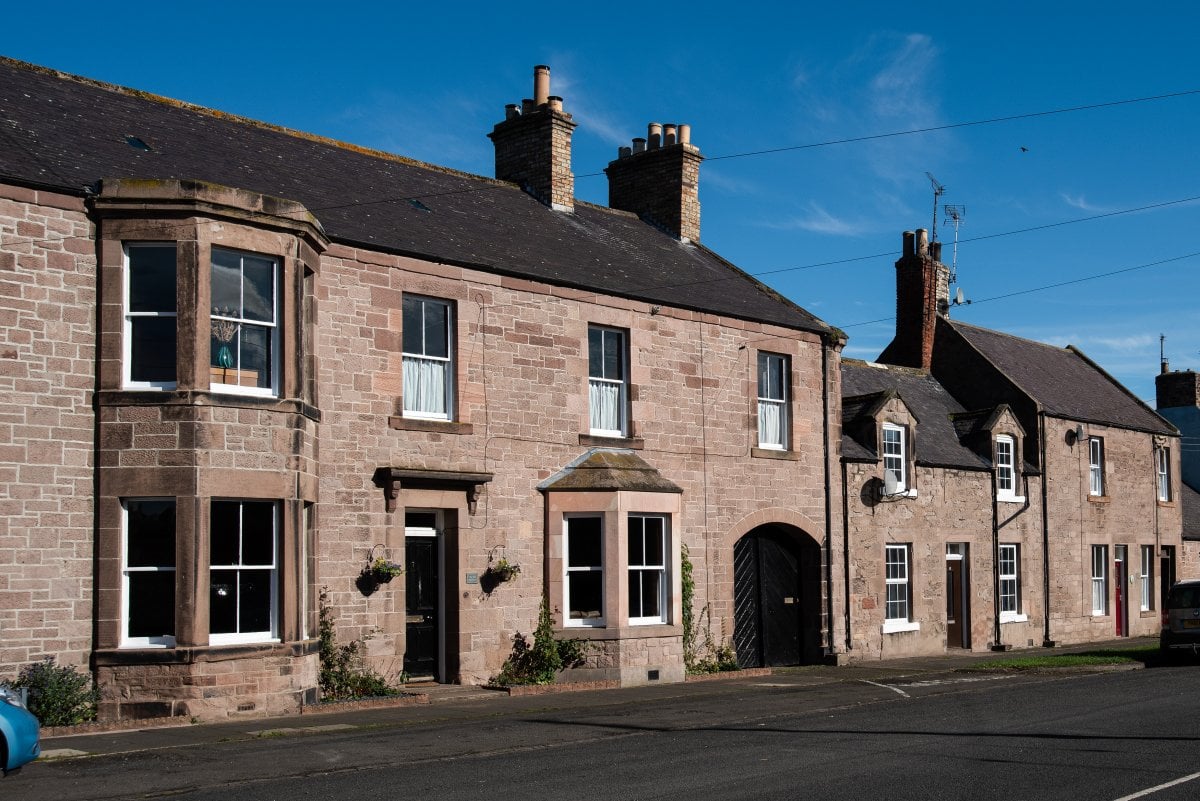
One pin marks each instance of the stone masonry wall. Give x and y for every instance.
(522, 413)
(1127, 514)
(47, 358)
(952, 506)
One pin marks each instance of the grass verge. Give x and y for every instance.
(1107, 656)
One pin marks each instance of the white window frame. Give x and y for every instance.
(1006, 469)
(415, 363)
(774, 371)
(1162, 467)
(638, 567)
(132, 316)
(894, 439)
(266, 635)
(897, 608)
(241, 321)
(569, 569)
(1010, 583)
(601, 387)
(1096, 466)
(164, 641)
(1147, 577)
(1099, 580)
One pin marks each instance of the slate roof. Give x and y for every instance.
(937, 441)
(605, 469)
(1062, 380)
(66, 133)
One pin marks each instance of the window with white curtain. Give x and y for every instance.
(608, 381)
(772, 401)
(428, 346)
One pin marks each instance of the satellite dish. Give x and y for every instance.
(958, 297)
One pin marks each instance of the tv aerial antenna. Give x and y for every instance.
(954, 216)
(938, 191)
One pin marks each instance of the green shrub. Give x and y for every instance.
(541, 662)
(343, 675)
(59, 695)
(700, 653)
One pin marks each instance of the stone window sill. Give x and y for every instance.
(898, 626)
(772, 453)
(433, 426)
(1099, 499)
(594, 441)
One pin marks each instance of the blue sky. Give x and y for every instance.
(429, 84)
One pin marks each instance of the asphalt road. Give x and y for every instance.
(793, 735)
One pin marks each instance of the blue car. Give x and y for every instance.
(18, 732)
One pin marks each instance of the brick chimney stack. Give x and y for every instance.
(922, 295)
(533, 145)
(658, 178)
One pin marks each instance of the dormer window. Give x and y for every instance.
(895, 463)
(1006, 469)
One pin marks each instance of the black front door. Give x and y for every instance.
(421, 606)
(768, 613)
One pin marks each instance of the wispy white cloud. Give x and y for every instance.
(816, 220)
(1080, 202)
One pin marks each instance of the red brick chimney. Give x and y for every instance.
(533, 145)
(659, 180)
(922, 295)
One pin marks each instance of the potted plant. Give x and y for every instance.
(504, 570)
(384, 571)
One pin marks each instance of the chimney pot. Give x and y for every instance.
(624, 152)
(935, 251)
(512, 110)
(685, 134)
(541, 85)
(527, 105)
(668, 134)
(910, 240)
(555, 103)
(639, 145)
(922, 242)
(654, 135)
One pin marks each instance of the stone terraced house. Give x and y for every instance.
(243, 366)
(1000, 492)
(247, 374)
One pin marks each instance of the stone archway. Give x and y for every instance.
(776, 597)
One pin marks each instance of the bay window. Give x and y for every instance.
(148, 572)
(584, 579)
(243, 563)
(244, 323)
(648, 584)
(150, 316)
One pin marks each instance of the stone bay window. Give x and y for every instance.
(207, 421)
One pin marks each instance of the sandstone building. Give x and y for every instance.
(1000, 492)
(242, 364)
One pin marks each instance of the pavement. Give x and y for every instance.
(455, 701)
